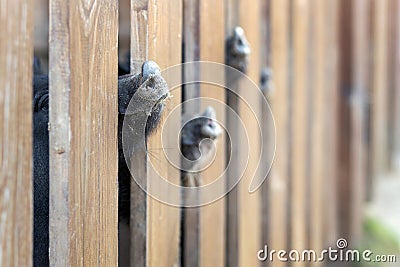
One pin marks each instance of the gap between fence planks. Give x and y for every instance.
(232, 235)
(83, 127)
(190, 227)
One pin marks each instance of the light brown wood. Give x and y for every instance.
(396, 127)
(279, 174)
(300, 125)
(16, 48)
(317, 145)
(83, 133)
(392, 73)
(212, 216)
(163, 221)
(331, 123)
(249, 204)
(358, 102)
(379, 90)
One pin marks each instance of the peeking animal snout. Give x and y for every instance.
(237, 50)
(150, 68)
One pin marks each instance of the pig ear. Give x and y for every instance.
(37, 66)
(209, 113)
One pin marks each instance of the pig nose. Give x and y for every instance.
(150, 68)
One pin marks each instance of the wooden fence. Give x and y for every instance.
(335, 98)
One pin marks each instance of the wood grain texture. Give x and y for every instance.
(249, 204)
(139, 33)
(163, 221)
(212, 216)
(279, 174)
(83, 133)
(300, 125)
(16, 49)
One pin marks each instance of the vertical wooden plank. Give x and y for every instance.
(392, 73)
(317, 149)
(249, 204)
(83, 127)
(138, 214)
(163, 221)
(279, 173)
(351, 118)
(331, 122)
(299, 129)
(357, 104)
(16, 48)
(212, 216)
(396, 131)
(379, 90)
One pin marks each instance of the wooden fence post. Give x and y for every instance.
(396, 108)
(331, 122)
(300, 125)
(16, 49)
(351, 119)
(212, 216)
(278, 231)
(165, 48)
(249, 204)
(83, 133)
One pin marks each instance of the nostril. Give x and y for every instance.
(211, 124)
(150, 68)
